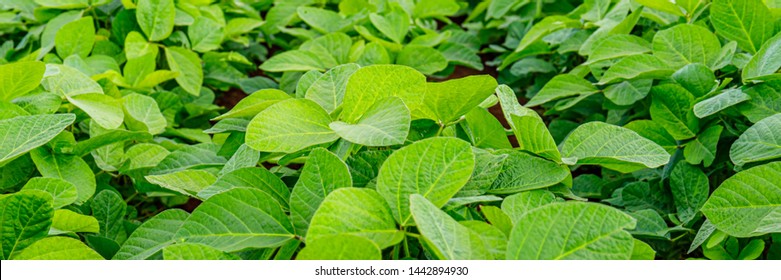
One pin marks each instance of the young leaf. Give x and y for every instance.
(765, 101)
(187, 182)
(254, 104)
(67, 81)
(20, 78)
(142, 113)
(205, 34)
(76, 37)
(752, 195)
(105, 110)
(533, 136)
(618, 46)
(760, 142)
(373, 83)
(305, 124)
(188, 64)
(340, 247)
(295, 60)
(585, 231)
(25, 133)
(697, 78)
(357, 212)
(385, 123)
(612, 147)
(109, 208)
(322, 20)
(447, 239)
(156, 18)
(238, 219)
(394, 24)
(435, 168)
(68, 221)
(25, 217)
(640, 66)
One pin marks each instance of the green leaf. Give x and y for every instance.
(766, 61)
(488, 166)
(523, 172)
(373, 83)
(340, 247)
(156, 18)
(435, 8)
(109, 208)
(58, 248)
(25, 133)
(255, 103)
(238, 219)
(450, 100)
(760, 142)
(205, 34)
(754, 195)
(25, 217)
(188, 64)
(640, 66)
(142, 113)
(446, 238)
(562, 86)
(295, 60)
(68, 221)
(67, 167)
(250, 177)
(749, 22)
(715, 104)
(697, 78)
(690, 188)
(425, 59)
(76, 37)
(705, 231)
(305, 124)
(357, 212)
(186, 157)
(458, 54)
(518, 205)
(105, 110)
(663, 5)
(672, 108)
(187, 251)
(546, 26)
(703, 148)
(628, 92)
(20, 78)
(63, 193)
(322, 173)
(328, 90)
(685, 44)
(322, 20)
(154, 234)
(765, 101)
(613, 147)
(533, 136)
(186, 182)
(573, 230)
(618, 46)
(394, 24)
(436, 168)
(484, 130)
(497, 218)
(67, 81)
(642, 251)
(385, 123)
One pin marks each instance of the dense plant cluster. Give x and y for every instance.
(390, 129)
